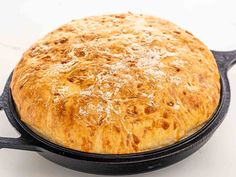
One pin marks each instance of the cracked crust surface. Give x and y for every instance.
(116, 84)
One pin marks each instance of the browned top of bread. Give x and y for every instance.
(116, 84)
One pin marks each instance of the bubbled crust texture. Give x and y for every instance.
(116, 84)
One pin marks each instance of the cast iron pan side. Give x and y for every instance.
(118, 164)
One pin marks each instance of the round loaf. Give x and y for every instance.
(116, 84)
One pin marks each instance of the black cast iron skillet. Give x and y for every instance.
(118, 164)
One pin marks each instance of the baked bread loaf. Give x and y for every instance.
(116, 84)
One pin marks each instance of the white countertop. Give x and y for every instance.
(213, 21)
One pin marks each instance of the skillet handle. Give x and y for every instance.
(1, 103)
(225, 59)
(22, 143)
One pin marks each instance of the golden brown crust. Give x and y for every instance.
(116, 84)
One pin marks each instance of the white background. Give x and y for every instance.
(213, 21)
